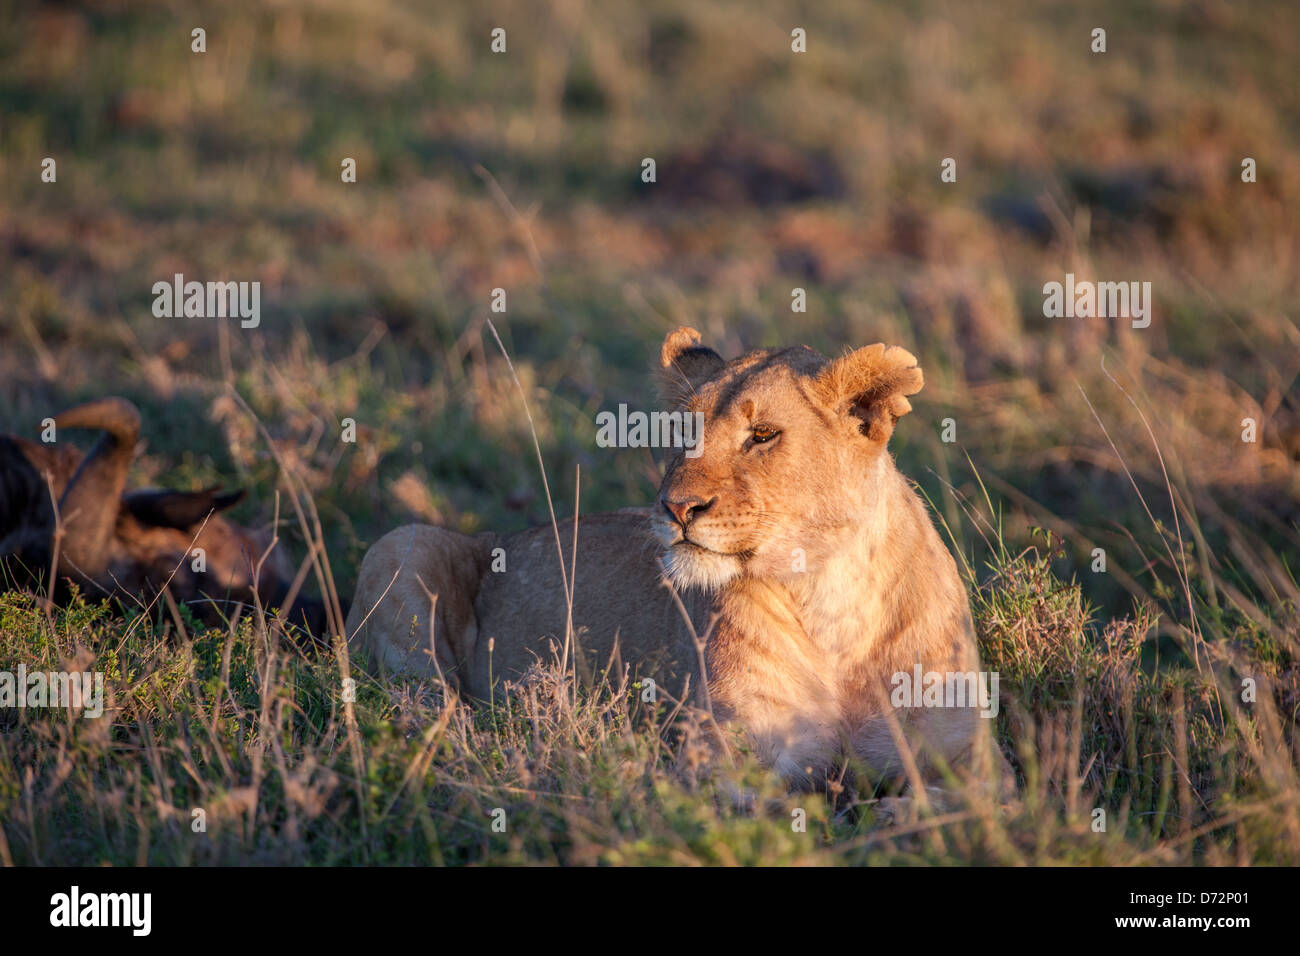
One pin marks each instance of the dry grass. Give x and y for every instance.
(1123, 688)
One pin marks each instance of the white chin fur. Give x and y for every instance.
(690, 567)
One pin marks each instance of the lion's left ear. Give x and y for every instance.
(871, 384)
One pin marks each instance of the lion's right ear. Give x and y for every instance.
(684, 364)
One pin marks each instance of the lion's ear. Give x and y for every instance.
(684, 364)
(872, 384)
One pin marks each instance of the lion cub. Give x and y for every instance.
(797, 550)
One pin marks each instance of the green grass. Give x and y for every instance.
(287, 769)
(1124, 687)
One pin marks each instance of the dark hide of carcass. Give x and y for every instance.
(130, 545)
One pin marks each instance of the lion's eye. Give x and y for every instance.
(764, 433)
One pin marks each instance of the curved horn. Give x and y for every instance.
(178, 509)
(89, 506)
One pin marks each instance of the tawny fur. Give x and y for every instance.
(807, 562)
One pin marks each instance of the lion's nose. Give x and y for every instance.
(686, 510)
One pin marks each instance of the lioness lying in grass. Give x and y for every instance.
(803, 559)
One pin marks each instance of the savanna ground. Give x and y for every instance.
(1122, 689)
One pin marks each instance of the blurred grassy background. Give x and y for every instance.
(775, 171)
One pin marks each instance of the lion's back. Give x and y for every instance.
(622, 610)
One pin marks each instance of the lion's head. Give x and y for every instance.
(793, 448)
